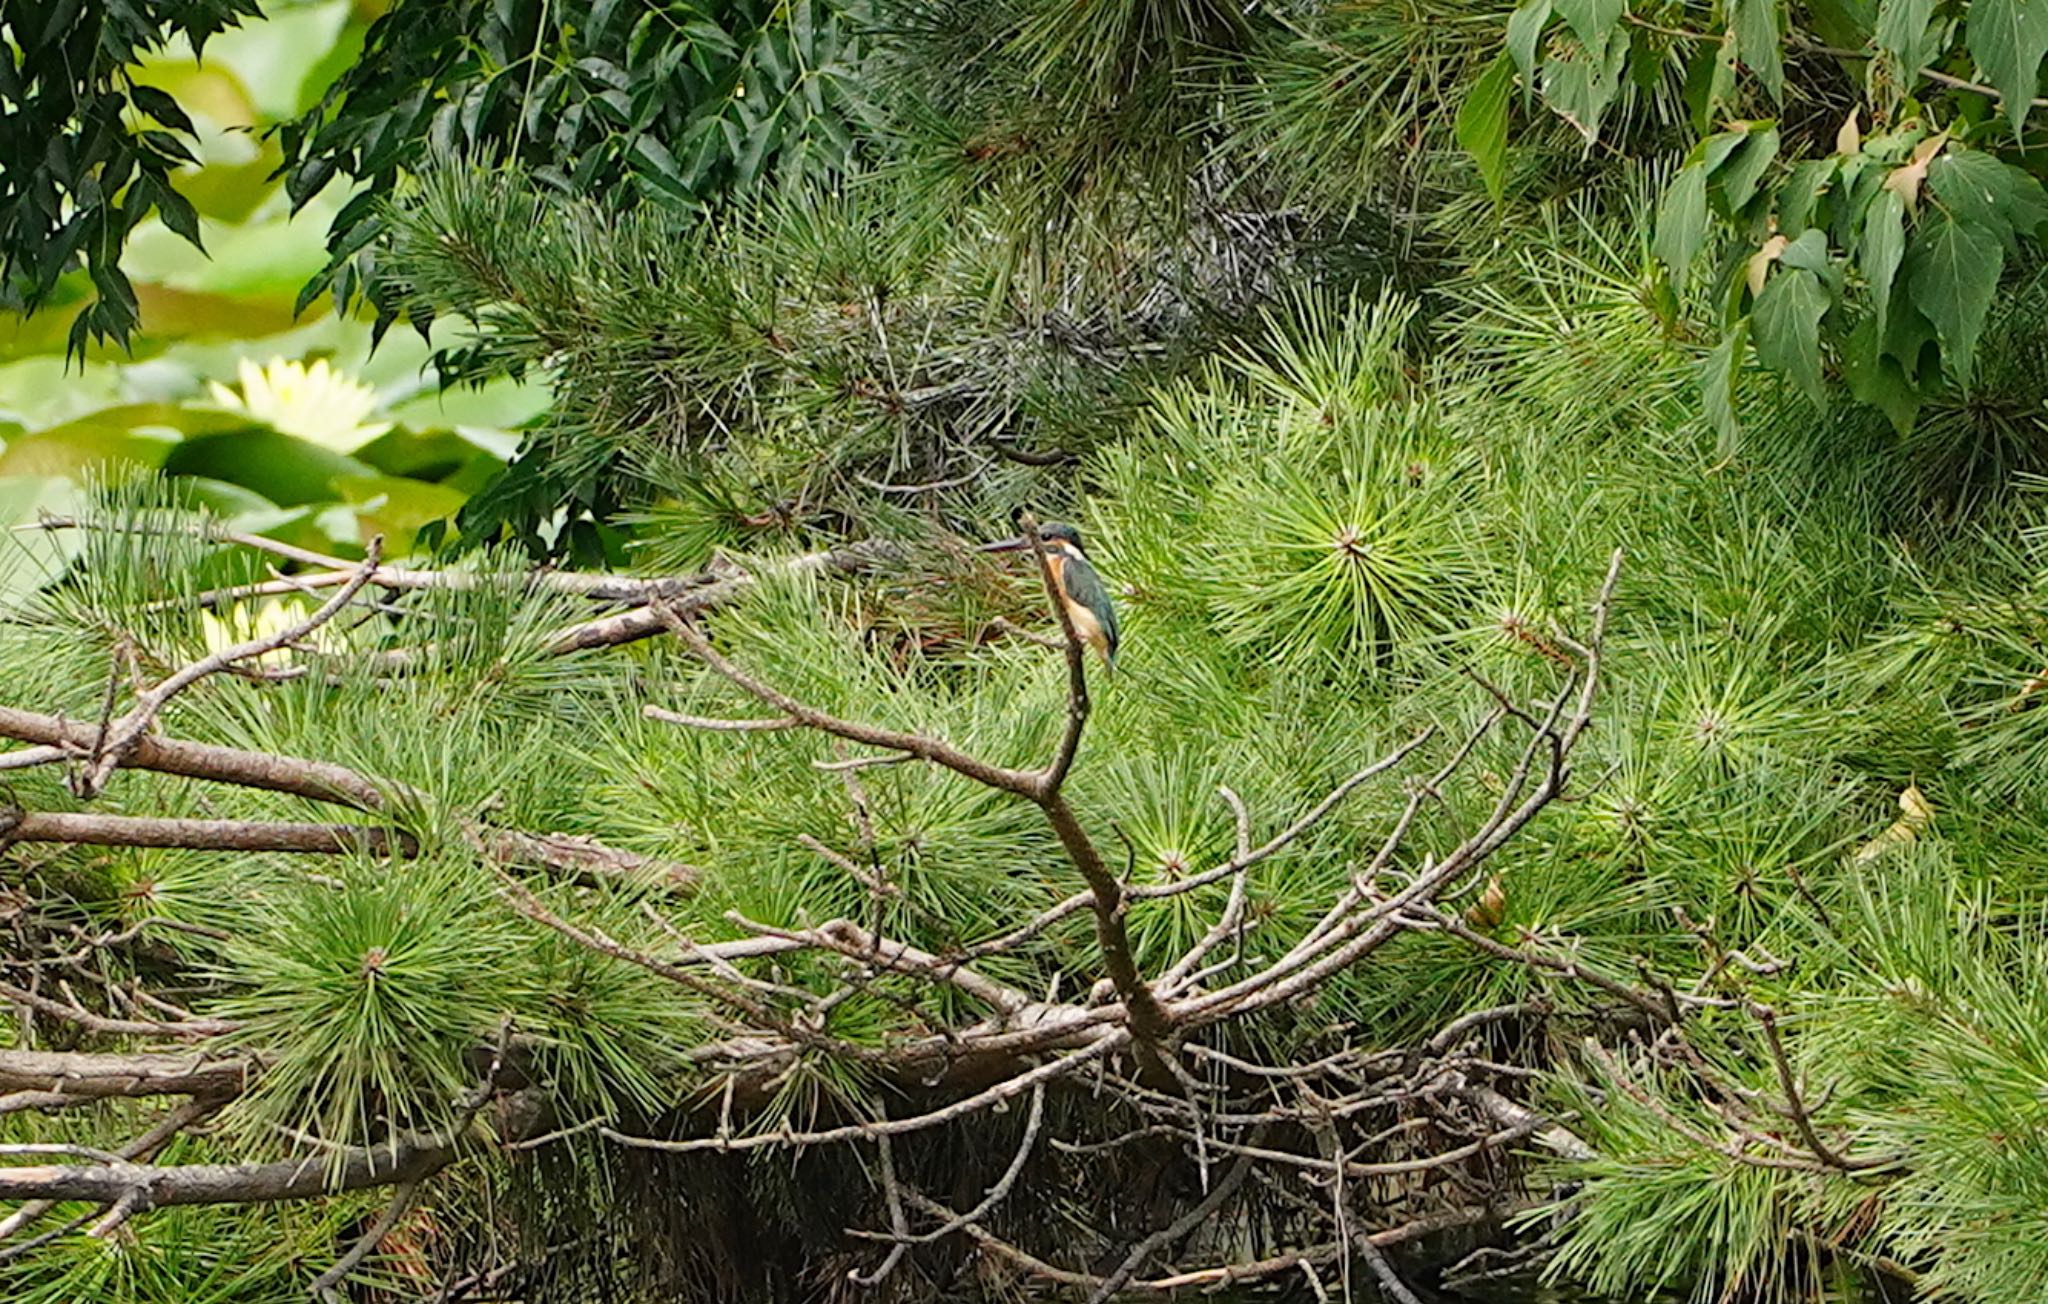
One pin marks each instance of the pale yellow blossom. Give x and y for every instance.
(315, 403)
(243, 622)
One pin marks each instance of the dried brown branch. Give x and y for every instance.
(1795, 1104)
(648, 621)
(77, 1075)
(1173, 1231)
(1390, 1281)
(96, 830)
(997, 1193)
(324, 781)
(331, 570)
(1368, 1105)
(140, 1148)
(987, 1098)
(1740, 1148)
(1219, 1276)
(407, 1158)
(899, 1224)
(719, 726)
(116, 741)
(71, 1012)
(935, 750)
(1042, 787)
(325, 1286)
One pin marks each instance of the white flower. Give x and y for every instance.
(315, 403)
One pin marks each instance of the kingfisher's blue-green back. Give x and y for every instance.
(1085, 588)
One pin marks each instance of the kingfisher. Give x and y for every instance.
(1081, 589)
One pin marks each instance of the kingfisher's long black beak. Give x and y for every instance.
(1018, 544)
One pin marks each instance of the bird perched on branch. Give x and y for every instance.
(1081, 589)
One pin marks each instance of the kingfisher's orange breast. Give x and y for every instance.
(1086, 625)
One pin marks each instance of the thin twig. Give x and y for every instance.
(325, 1285)
(122, 735)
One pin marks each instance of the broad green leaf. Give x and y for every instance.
(2007, 38)
(1876, 378)
(33, 558)
(283, 469)
(1592, 21)
(1952, 273)
(1580, 89)
(423, 455)
(1978, 189)
(1786, 325)
(1902, 32)
(276, 57)
(1715, 149)
(1756, 36)
(1483, 124)
(1908, 335)
(1801, 192)
(1808, 252)
(659, 167)
(1525, 28)
(1710, 81)
(1862, 182)
(396, 507)
(1682, 222)
(1740, 176)
(1884, 245)
(501, 403)
(219, 498)
(2026, 204)
(75, 448)
(1718, 376)
(329, 527)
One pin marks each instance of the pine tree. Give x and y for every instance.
(1535, 793)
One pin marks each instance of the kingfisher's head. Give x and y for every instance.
(1057, 536)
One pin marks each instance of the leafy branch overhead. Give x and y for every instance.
(1861, 187)
(628, 103)
(632, 102)
(86, 151)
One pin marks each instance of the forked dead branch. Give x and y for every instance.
(1358, 1143)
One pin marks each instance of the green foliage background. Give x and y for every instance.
(1348, 386)
(68, 407)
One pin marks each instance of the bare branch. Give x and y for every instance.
(93, 829)
(939, 752)
(324, 1285)
(84, 1018)
(324, 781)
(987, 1098)
(76, 1075)
(647, 621)
(1001, 1190)
(122, 735)
(1795, 1105)
(899, 1224)
(407, 1158)
(1173, 1231)
(1383, 1271)
(720, 726)
(140, 1148)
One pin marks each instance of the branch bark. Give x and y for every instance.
(408, 1159)
(96, 830)
(324, 781)
(103, 1077)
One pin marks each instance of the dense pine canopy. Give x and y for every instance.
(1570, 795)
